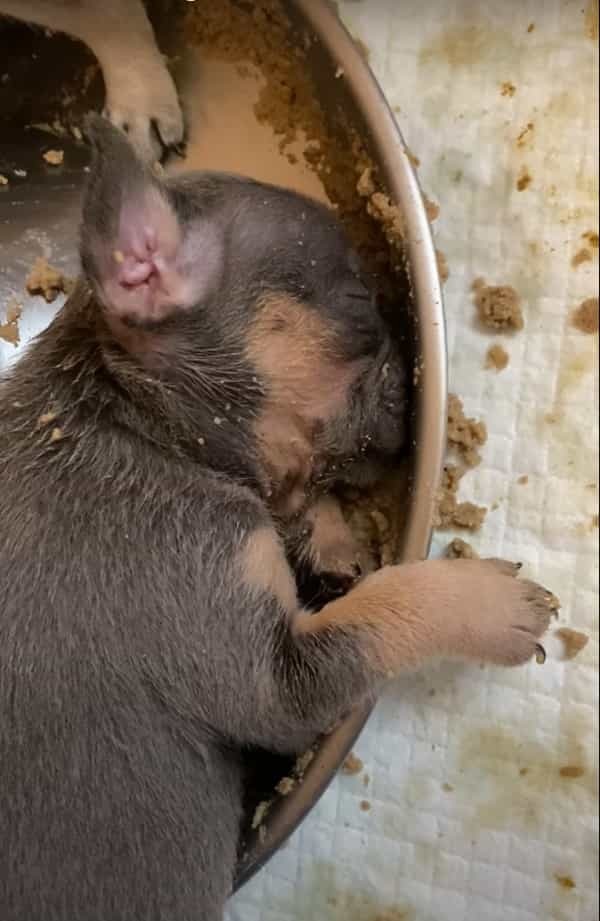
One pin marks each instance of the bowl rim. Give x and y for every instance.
(429, 425)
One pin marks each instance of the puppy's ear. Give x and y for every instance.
(143, 261)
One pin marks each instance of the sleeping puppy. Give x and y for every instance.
(157, 442)
(140, 95)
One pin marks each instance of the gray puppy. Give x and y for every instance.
(219, 358)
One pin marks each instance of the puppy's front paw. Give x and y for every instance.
(141, 99)
(329, 558)
(513, 614)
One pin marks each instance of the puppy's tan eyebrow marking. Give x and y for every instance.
(265, 567)
(306, 383)
(292, 349)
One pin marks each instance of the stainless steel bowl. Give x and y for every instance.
(39, 215)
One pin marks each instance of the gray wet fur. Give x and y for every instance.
(135, 664)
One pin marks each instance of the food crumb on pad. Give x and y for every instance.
(498, 306)
(352, 765)
(459, 549)
(573, 641)
(465, 434)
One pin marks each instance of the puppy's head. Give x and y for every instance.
(246, 293)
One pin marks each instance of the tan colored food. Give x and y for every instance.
(498, 306)
(442, 264)
(47, 418)
(352, 765)
(380, 207)
(303, 762)
(285, 786)
(466, 435)
(450, 513)
(591, 237)
(3, 180)
(288, 103)
(9, 330)
(432, 208)
(459, 549)
(585, 318)
(497, 358)
(260, 813)
(573, 641)
(47, 281)
(54, 157)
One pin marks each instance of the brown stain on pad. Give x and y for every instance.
(518, 780)
(524, 179)
(565, 882)
(461, 47)
(582, 255)
(526, 135)
(344, 903)
(497, 358)
(585, 318)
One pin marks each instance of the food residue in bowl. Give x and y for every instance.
(47, 281)
(54, 157)
(9, 330)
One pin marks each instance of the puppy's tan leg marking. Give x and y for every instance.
(265, 567)
(332, 547)
(406, 615)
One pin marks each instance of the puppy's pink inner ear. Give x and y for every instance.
(140, 261)
(152, 266)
